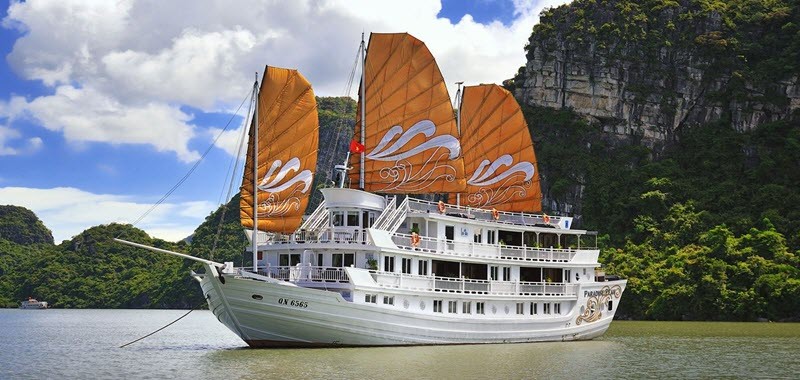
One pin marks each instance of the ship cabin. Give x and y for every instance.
(447, 247)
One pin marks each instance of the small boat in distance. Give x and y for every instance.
(32, 303)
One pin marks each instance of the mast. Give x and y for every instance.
(254, 240)
(363, 109)
(458, 108)
(458, 126)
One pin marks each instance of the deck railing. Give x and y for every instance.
(470, 286)
(300, 273)
(516, 218)
(484, 251)
(324, 235)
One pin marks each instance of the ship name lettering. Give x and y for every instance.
(291, 302)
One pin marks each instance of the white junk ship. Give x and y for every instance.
(377, 265)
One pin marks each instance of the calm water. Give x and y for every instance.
(83, 344)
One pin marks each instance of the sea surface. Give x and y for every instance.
(85, 344)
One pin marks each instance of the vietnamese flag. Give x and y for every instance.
(355, 147)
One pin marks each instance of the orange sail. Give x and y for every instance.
(411, 139)
(288, 140)
(498, 152)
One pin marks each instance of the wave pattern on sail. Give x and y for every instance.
(498, 151)
(404, 87)
(288, 141)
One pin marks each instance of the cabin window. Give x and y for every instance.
(557, 308)
(493, 273)
(452, 307)
(406, 265)
(610, 305)
(449, 232)
(478, 236)
(338, 218)
(388, 300)
(286, 259)
(437, 306)
(320, 257)
(546, 308)
(530, 274)
(371, 298)
(466, 307)
(479, 307)
(534, 308)
(506, 273)
(520, 308)
(422, 267)
(341, 260)
(568, 275)
(388, 263)
(352, 218)
(367, 218)
(490, 236)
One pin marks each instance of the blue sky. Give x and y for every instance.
(104, 105)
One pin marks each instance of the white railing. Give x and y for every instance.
(397, 217)
(383, 218)
(300, 273)
(348, 235)
(318, 219)
(505, 217)
(480, 250)
(469, 286)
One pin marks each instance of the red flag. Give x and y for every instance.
(355, 147)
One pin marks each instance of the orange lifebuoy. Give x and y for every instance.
(495, 214)
(546, 219)
(440, 206)
(415, 239)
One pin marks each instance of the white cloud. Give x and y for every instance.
(68, 211)
(88, 115)
(28, 146)
(119, 67)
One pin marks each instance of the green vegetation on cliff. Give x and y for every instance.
(22, 226)
(708, 230)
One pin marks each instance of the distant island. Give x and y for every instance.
(673, 127)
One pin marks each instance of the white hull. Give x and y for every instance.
(330, 320)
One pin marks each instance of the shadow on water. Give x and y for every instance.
(465, 361)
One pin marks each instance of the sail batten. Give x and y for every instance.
(288, 141)
(411, 140)
(499, 157)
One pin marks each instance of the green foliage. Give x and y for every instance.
(708, 230)
(22, 226)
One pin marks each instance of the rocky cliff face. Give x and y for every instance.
(649, 69)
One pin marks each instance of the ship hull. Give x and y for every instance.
(276, 314)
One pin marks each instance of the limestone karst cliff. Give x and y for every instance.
(655, 67)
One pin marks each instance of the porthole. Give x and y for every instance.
(257, 297)
(422, 305)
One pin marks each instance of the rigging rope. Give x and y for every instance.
(165, 326)
(196, 164)
(348, 88)
(232, 181)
